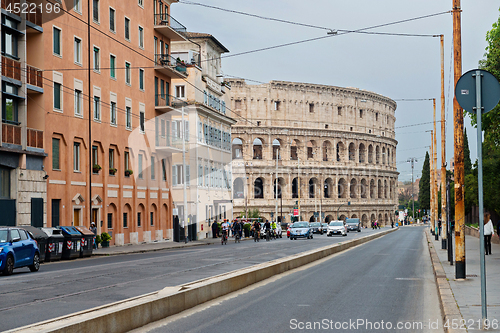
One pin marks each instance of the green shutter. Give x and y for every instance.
(55, 154)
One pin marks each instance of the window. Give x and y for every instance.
(95, 12)
(56, 41)
(78, 102)
(95, 160)
(9, 103)
(78, 51)
(55, 154)
(206, 176)
(128, 117)
(97, 108)
(112, 19)
(152, 168)
(151, 218)
(277, 105)
(127, 73)
(76, 156)
(141, 79)
(112, 66)
(339, 110)
(164, 169)
(138, 219)
(141, 3)
(141, 121)
(141, 37)
(96, 59)
(127, 29)
(126, 160)
(110, 221)
(113, 113)
(200, 174)
(162, 89)
(77, 6)
(125, 218)
(111, 159)
(57, 96)
(311, 107)
(9, 38)
(360, 113)
(179, 91)
(140, 166)
(376, 116)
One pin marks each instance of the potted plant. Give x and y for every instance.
(128, 172)
(96, 168)
(112, 171)
(98, 240)
(105, 238)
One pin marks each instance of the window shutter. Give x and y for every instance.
(174, 175)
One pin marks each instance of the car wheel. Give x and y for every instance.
(311, 236)
(36, 263)
(9, 266)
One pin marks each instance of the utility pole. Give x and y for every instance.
(444, 219)
(435, 177)
(458, 134)
(431, 208)
(298, 187)
(277, 180)
(184, 175)
(412, 160)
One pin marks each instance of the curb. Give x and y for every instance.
(449, 307)
(133, 313)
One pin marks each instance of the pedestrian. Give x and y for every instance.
(392, 223)
(439, 227)
(488, 232)
(373, 224)
(94, 230)
(214, 230)
(498, 229)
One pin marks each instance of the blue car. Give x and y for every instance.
(300, 230)
(17, 249)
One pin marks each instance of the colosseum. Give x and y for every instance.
(332, 149)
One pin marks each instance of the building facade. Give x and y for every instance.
(204, 173)
(332, 149)
(78, 136)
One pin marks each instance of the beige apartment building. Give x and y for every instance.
(332, 151)
(206, 165)
(84, 134)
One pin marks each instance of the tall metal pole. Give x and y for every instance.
(432, 218)
(450, 230)
(444, 219)
(298, 187)
(90, 168)
(435, 176)
(458, 135)
(184, 175)
(276, 187)
(480, 193)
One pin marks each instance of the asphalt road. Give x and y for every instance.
(377, 286)
(65, 287)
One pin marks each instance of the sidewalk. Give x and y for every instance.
(467, 293)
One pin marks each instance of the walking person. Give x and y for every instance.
(215, 228)
(94, 230)
(488, 232)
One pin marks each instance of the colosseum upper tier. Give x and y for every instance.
(337, 143)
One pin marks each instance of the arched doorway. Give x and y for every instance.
(258, 188)
(238, 188)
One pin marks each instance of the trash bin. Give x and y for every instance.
(72, 242)
(55, 244)
(87, 241)
(40, 237)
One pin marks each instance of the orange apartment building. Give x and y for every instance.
(102, 163)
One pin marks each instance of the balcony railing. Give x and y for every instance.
(167, 60)
(9, 4)
(11, 134)
(162, 100)
(33, 13)
(34, 76)
(168, 141)
(167, 20)
(11, 68)
(35, 138)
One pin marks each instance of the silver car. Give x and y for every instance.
(337, 228)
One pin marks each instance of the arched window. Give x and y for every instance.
(237, 147)
(257, 149)
(258, 188)
(362, 153)
(238, 189)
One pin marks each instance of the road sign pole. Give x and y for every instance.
(479, 111)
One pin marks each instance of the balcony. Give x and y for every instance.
(169, 27)
(162, 103)
(11, 68)
(169, 66)
(34, 76)
(169, 144)
(11, 134)
(33, 15)
(35, 138)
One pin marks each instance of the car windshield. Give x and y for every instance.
(300, 225)
(315, 224)
(324, 224)
(3, 236)
(336, 224)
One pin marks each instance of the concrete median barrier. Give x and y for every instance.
(139, 311)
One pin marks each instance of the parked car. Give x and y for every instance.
(300, 229)
(353, 224)
(316, 227)
(325, 227)
(17, 249)
(337, 228)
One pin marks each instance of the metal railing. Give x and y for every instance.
(34, 76)
(11, 134)
(11, 68)
(167, 60)
(35, 138)
(167, 20)
(162, 100)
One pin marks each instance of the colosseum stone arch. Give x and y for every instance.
(334, 147)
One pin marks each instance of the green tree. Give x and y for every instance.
(424, 191)
(467, 160)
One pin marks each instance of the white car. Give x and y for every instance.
(337, 228)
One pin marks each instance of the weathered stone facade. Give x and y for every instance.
(340, 143)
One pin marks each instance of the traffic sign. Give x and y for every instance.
(465, 91)
(295, 212)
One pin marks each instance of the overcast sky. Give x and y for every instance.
(393, 66)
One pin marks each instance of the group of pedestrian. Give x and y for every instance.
(375, 224)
